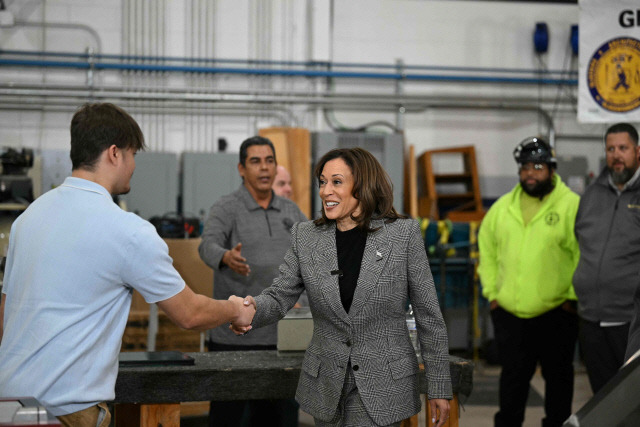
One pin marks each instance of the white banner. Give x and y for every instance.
(609, 76)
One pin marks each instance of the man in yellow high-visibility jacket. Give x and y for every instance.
(528, 253)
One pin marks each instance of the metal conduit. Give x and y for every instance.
(209, 101)
(63, 26)
(189, 95)
(551, 137)
(284, 118)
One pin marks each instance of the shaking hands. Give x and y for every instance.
(246, 310)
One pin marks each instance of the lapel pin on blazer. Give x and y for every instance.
(378, 255)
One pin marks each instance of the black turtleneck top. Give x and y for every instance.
(350, 245)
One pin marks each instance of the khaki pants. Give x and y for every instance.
(94, 416)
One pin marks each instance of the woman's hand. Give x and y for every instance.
(439, 410)
(242, 324)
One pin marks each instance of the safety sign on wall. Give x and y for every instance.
(609, 55)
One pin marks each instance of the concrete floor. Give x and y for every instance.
(482, 416)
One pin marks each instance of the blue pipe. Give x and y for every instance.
(280, 72)
(478, 79)
(287, 63)
(57, 64)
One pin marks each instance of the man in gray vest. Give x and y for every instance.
(244, 240)
(608, 232)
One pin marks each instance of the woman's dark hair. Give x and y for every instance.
(372, 186)
(95, 127)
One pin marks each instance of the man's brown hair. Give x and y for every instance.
(95, 127)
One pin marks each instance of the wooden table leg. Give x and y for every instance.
(410, 422)
(145, 415)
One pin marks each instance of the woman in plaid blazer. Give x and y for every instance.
(359, 263)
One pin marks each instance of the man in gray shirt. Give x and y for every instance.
(608, 232)
(244, 240)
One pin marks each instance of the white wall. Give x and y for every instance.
(437, 33)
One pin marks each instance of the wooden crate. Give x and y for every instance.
(293, 151)
(198, 276)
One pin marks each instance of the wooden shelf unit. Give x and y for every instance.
(463, 205)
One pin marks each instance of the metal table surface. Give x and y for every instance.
(235, 375)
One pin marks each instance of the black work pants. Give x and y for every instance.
(603, 350)
(245, 413)
(549, 339)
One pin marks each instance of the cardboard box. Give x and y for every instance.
(198, 276)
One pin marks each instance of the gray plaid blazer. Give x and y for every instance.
(373, 335)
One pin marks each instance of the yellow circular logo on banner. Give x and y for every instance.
(614, 75)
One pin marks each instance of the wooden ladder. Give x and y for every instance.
(463, 204)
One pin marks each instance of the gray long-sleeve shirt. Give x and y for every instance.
(265, 237)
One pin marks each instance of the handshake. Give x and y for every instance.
(245, 309)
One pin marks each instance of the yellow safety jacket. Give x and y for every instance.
(528, 269)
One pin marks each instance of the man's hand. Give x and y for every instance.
(249, 304)
(242, 323)
(439, 410)
(234, 260)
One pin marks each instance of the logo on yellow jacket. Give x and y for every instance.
(552, 218)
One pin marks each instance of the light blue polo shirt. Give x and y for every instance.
(74, 257)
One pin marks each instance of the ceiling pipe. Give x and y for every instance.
(363, 103)
(283, 118)
(65, 26)
(196, 95)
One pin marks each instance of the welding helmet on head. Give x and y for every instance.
(534, 150)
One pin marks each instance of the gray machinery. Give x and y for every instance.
(154, 185)
(15, 185)
(387, 148)
(205, 178)
(574, 171)
(16, 192)
(157, 183)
